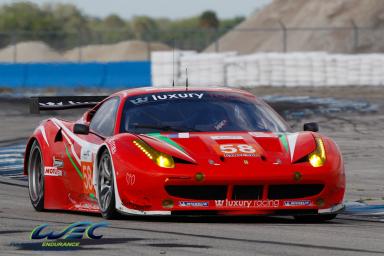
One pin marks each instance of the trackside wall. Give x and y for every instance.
(75, 75)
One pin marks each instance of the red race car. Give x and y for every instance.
(175, 151)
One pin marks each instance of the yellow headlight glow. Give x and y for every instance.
(165, 161)
(161, 159)
(317, 158)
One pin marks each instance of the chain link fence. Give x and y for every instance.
(346, 39)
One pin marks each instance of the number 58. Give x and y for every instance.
(233, 148)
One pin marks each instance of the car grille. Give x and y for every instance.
(293, 191)
(198, 192)
(247, 192)
(243, 192)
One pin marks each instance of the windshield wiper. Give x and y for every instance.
(166, 128)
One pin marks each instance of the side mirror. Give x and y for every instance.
(87, 116)
(312, 127)
(81, 129)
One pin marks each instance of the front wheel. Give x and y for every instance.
(105, 186)
(36, 177)
(315, 218)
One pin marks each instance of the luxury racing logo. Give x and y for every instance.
(73, 232)
(248, 203)
(169, 96)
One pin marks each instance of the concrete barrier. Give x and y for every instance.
(271, 69)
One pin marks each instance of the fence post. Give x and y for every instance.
(79, 43)
(217, 40)
(285, 35)
(355, 35)
(225, 74)
(148, 49)
(14, 44)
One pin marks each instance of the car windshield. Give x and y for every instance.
(198, 111)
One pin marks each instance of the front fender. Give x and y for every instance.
(44, 134)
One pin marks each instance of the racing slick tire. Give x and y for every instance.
(36, 177)
(315, 218)
(106, 187)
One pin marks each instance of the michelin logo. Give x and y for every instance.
(193, 204)
(297, 203)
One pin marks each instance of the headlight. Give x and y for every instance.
(317, 158)
(161, 159)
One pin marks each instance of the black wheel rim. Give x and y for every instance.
(105, 182)
(36, 175)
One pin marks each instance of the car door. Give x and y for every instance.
(102, 125)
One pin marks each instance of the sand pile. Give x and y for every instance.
(33, 51)
(311, 13)
(127, 50)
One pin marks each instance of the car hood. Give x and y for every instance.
(214, 147)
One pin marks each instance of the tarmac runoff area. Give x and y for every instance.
(353, 117)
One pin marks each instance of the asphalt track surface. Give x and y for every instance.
(359, 136)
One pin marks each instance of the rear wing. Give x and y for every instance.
(38, 104)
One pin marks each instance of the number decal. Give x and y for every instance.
(87, 172)
(238, 150)
(228, 149)
(246, 149)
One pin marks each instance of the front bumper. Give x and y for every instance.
(328, 200)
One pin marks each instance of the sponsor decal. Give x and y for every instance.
(238, 150)
(58, 163)
(220, 125)
(297, 203)
(263, 134)
(227, 137)
(139, 100)
(184, 135)
(87, 170)
(112, 144)
(131, 179)
(248, 203)
(193, 204)
(168, 96)
(52, 171)
(181, 135)
(86, 155)
(277, 162)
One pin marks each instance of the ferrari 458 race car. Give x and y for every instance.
(174, 151)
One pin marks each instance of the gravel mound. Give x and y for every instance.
(32, 51)
(311, 13)
(127, 50)
(37, 51)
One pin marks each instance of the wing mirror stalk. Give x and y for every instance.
(311, 127)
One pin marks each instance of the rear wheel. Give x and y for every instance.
(105, 186)
(36, 177)
(315, 218)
